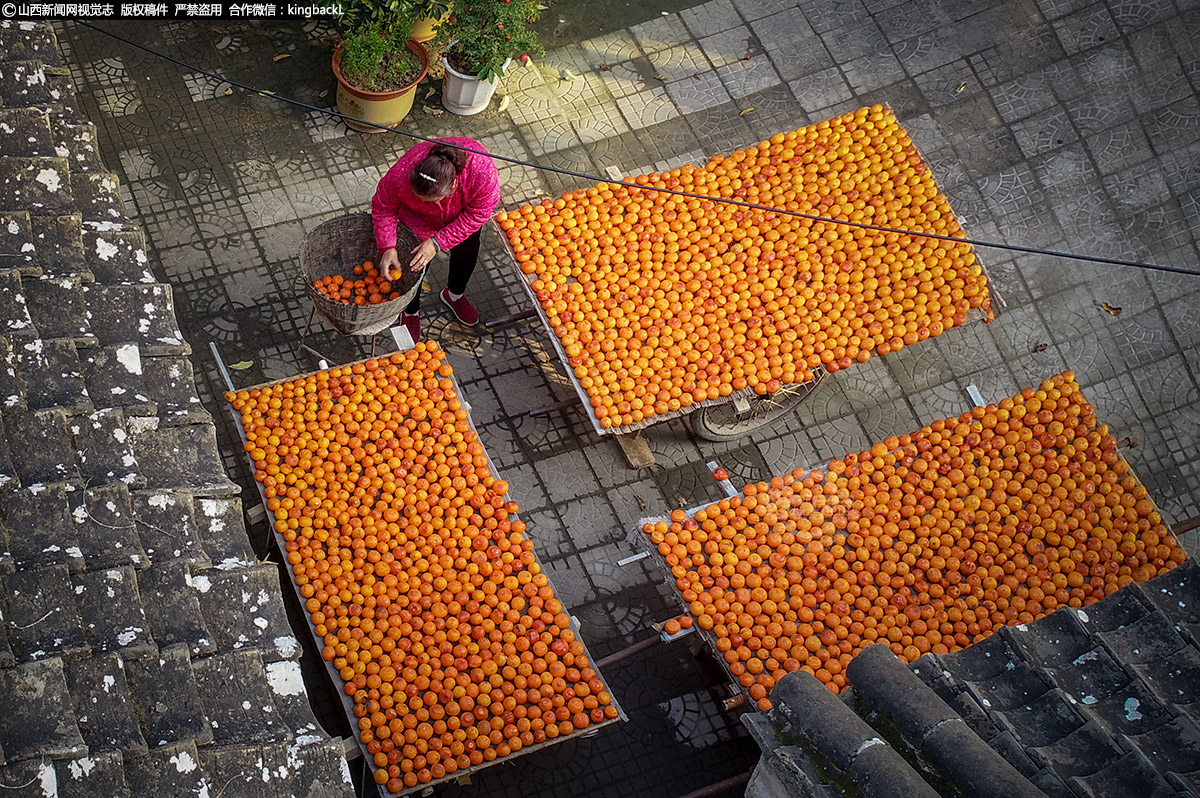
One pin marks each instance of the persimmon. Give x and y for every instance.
(928, 541)
(418, 577)
(372, 289)
(662, 301)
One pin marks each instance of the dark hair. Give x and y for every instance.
(434, 174)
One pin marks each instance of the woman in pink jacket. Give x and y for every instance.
(445, 196)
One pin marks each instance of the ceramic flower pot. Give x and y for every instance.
(466, 94)
(380, 107)
(425, 28)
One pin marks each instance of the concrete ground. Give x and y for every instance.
(1059, 124)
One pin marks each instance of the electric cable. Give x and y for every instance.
(1025, 250)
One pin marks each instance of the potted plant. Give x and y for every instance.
(480, 39)
(426, 16)
(378, 67)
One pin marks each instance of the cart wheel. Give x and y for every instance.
(723, 422)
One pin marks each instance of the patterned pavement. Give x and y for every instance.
(1057, 124)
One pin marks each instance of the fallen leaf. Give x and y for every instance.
(605, 67)
(720, 473)
(504, 102)
(961, 87)
(748, 110)
(241, 365)
(228, 92)
(280, 57)
(1129, 441)
(266, 93)
(568, 74)
(429, 109)
(665, 13)
(661, 76)
(1038, 348)
(747, 56)
(323, 94)
(430, 93)
(641, 502)
(1111, 310)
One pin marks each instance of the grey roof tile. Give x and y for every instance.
(92, 775)
(12, 393)
(9, 478)
(58, 245)
(1120, 609)
(76, 137)
(111, 610)
(238, 699)
(58, 309)
(172, 770)
(171, 385)
(39, 184)
(1013, 686)
(167, 700)
(166, 527)
(1051, 783)
(223, 531)
(23, 83)
(1176, 593)
(25, 132)
(36, 718)
(117, 256)
(291, 699)
(103, 705)
(17, 250)
(24, 41)
(65, 104)
(7, 658)
(51, 375)
(1131, 709)
(1043, 720)
(39, 443)
(183, 456)
(105, 528)
(115, 379)
(1185, 782)
(140, 313)
(98, 197)
(173, 609)
(1059, 639)
(984, 659)
(1143, 640)
(14, 308)
(1174, 679)
(1080, 753)
(1173, 746)
(318, 768)
(41, 615)
(104, 452)
(244, 609)
(1129, 775)
(40, 529)
(1094, 673)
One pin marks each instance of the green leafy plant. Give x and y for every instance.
(356, 13)
(376, 58)
(481, 35)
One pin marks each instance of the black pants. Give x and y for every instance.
(462, 265)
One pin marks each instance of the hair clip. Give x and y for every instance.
(424, 176)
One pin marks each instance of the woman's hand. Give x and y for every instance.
(422, 254)
(389, 264)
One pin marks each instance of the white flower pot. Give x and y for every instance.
(466, 94)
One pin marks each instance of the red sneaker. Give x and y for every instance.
(413, 323)
(463, 310)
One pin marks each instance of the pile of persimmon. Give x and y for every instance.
(371, 288)
(926, 542)
(417, 575)
(661, 301)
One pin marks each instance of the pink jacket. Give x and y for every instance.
(448, 221)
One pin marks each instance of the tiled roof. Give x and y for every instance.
(1097, 701)
(143, 650)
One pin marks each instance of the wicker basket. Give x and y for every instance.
(336, 247)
